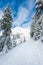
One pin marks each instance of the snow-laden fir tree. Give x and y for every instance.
(7, 24)
(6, 27)
(37, 21)
(7, 21)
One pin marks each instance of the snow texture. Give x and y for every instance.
(28, 53)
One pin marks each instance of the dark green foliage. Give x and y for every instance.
(31, 34)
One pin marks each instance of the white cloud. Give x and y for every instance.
(21, 16)
(24, 13)
(30, 4)
(1, 13)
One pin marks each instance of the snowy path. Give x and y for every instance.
(29, 53)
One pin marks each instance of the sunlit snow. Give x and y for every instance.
(27, 53)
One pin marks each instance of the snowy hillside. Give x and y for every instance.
(28, 53)
(22, 31)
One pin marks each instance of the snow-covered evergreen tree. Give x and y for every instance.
(6, 24)
(37, 24)
(7, 21)
(14, 41)
(24, 40)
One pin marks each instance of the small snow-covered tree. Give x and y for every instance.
(24, 40)
(14, 41)
(18, 35)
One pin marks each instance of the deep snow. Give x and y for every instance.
(28, 53)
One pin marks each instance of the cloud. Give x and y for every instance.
(31, 4)
(24, 14)
(21, 16)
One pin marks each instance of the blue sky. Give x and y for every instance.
(22, 10)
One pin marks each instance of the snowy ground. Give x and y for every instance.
(28, 53)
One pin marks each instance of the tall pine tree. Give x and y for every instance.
(7, 21)
(37, 24)
(6, 27)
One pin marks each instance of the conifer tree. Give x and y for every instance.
(7, 21)
(6, 26)
(36, 26)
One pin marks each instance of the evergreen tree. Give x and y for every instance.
(37, 24)
(6, 27)
(7, 21)
(24, 40)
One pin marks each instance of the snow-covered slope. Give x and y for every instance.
(24, 32)
(28, 53)
(20, 30)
